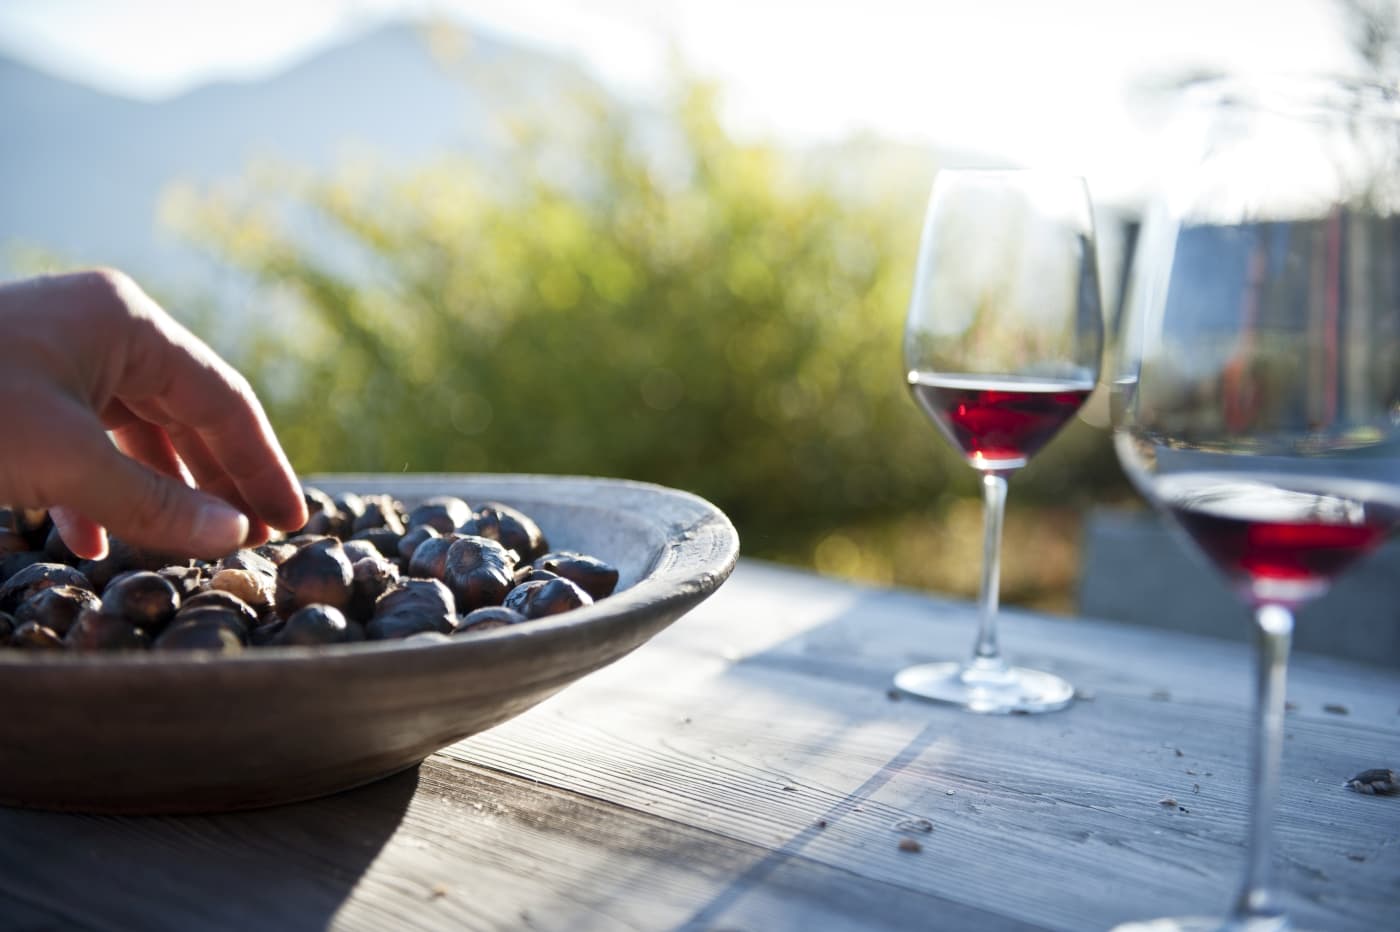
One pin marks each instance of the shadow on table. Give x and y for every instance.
(280, 868)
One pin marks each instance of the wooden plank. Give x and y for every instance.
(747, 770)
(762, 731)
(447, 847)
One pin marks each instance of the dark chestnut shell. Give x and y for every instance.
(597, 578)
(312, 625)
(34, 636)
(488, 617)
(56, 607)
(429, 560)
(147, 600)
(414, 605)
(374, 576)
(204, 630)
(443, 512)
(551, 597)
(317, 573)
(97, 630)
(22, 585)
(479, 571)
(514, 529)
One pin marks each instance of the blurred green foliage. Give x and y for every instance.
(724, 320)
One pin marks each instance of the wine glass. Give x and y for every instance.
(1001, 348)
(1257, 401)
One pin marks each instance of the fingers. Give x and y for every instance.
(173, 380)
(86, 538)
(133, 501)
(147, 443)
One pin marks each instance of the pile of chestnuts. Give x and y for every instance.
(363, 568)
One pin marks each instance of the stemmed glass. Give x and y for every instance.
(1001, 348)
(1257, 401)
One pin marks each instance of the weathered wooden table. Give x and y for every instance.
(747, 770)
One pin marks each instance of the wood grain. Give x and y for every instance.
(747, 770)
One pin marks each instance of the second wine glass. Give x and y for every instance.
(1001, 348)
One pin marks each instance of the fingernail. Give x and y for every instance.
(218, 529)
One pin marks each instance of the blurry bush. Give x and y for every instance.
(723, 318)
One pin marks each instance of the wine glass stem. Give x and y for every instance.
(986, 654)
(1274, 632)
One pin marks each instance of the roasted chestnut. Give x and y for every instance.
(415, 605)
(249, 560)
(429, 559)
(312, 625)
(323, 516)
(488, 617)
(203, 631)
(147, 600)
(56, 607)
(548, 597)
(592, 575)
(276, 551)
(317, 573)
(187, 580)
(382, 539)
(444, 512)
(478, 571)
(357, 549)
(98, 630)
(224, 601)
(409, 542)
(514, 529)
(32, 635)
(380, 511)
(35, 577)
(253, 589)
(373, 576)
(525, 572)
(121, 558)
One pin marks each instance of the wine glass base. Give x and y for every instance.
(991, 691)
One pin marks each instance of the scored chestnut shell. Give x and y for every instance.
(35, 577)
(147, 600)
(479, 571)
(56, 607)
(97, 630)
(317, 573)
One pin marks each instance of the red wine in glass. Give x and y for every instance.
(1281, 539)
(998, 422)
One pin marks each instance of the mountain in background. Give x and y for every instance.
(82, 171)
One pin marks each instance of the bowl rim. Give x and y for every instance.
(701, 550)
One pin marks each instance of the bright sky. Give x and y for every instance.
(1046, 82)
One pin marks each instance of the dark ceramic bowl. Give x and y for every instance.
(191, 732)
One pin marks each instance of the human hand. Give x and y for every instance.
(191, 466)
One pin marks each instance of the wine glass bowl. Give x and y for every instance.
(1001, 347)
(1257, 397)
